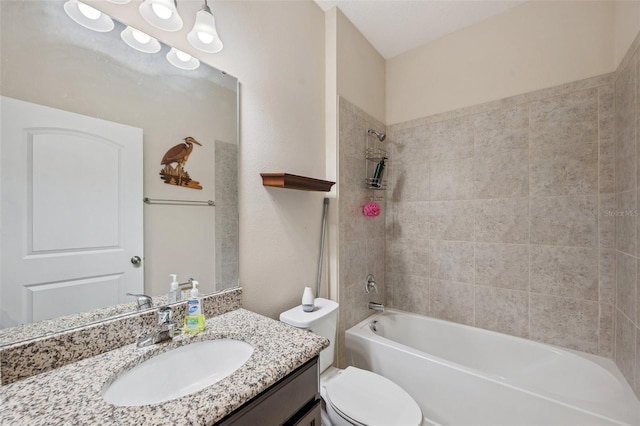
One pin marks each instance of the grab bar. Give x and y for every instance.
(169, 202)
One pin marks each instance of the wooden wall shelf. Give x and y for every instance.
(286, 180)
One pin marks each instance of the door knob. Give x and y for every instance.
(136, 260)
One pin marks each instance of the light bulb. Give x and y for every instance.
(206, 38)
(140, 41)
(88, 11)
(140, 36)
(182, 60)
(184, 57)
(161, 11)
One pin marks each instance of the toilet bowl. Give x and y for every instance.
(353, 397)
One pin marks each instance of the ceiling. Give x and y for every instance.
(396, 26)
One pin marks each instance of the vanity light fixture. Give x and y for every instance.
(182, 60)
(89, 17)
(140, 41)
(204, 36)
(162, 14)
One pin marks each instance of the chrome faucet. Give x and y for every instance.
(165, 331)
(144, 301)
(376, 306)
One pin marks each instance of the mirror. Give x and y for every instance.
(49, 60)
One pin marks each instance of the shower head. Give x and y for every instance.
(381, 136)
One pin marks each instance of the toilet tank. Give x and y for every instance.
(323, 320)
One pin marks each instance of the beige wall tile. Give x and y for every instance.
(410, 182)
(570, 169)
(409, 146)
(570, 119)
(406, 256)
(451, 139)
(625, 343)
(451, 179)
(627, 223)
(626, 158)
(502, 310)
(451, 301)
(625, 95)
(451, 220)
(606, 166)
(605, 330)
(567, 221)
(502, 265)
(503, 174)
(352, 139)
(352, 176)
(606, 111)
(411, 220)
(375, 227)
(361, 240)
(607, 267)
(504, 220)
(353, 223)
(637, 383)
(607, 221)
(607, 151)
(503, 128)
(565, 271)
(540, 173)
(564, 322)
(452, 261)
(353, 267)
(637, 296)
(410, 293)
(376, 263)
(626, 284)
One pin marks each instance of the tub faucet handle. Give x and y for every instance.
(370, 285)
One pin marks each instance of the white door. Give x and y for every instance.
(70, 212)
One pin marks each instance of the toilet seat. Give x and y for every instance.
(365, 398)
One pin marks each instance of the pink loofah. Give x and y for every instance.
(371, 209)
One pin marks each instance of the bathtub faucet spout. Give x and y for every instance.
(376, 306)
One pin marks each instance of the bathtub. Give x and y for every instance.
(461, 375)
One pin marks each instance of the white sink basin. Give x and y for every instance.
(178, 372)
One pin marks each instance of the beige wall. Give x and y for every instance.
(523, 49)
(626, 26)
(276, 49)
(361, 69)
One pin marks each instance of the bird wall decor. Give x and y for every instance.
(179, 155)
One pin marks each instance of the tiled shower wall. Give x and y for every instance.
(226, 228)
(501, 216)
(627, 336)
(361, 238)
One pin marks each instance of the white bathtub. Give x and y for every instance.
(461, 375)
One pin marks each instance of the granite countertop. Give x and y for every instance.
(72, 394)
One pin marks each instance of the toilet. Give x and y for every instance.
(352, 396)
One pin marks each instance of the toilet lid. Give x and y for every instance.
(371, 399)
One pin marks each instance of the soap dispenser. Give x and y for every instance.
(174, 289)
(194, 320)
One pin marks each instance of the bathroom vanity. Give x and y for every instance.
(292, 401)
(278, 384)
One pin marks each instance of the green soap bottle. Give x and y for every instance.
(194, 320)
